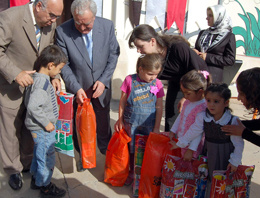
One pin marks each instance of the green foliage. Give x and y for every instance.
(250, 44)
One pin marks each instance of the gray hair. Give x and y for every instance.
(44, 3)
(80, 6)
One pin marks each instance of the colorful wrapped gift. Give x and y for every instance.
(64, 124)
(183, 178)
(236, 185)
(140, 142)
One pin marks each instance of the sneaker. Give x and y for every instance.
(33, 185)
(15, 181)
(52, 191)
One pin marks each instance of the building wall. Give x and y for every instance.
(118, 12)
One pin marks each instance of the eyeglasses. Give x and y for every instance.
(53, 16)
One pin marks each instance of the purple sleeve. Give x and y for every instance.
(126, 85)
(160, 87)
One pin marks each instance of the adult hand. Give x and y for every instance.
(234, 129)
(56, 84)
(180, 104)
(50, 127)
(80, 96)
(98, 88)
(24, 79)
(196, 51)
(203, 55)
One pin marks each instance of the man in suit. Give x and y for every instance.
(88, 73)
(18, 51)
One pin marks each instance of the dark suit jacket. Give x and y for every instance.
(220, 55)
(79, 72)
(18, 51)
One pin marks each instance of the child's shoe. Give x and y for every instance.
(52, 191)
(33, 185)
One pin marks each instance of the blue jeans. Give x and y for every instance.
(43, 156)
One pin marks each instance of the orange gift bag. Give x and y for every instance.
(157, 147)
(86, 131)
(117, 159)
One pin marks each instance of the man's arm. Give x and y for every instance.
(66, 72)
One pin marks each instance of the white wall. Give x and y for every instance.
(118, 12)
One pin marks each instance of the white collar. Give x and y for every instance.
(31, 11)
(222, 121)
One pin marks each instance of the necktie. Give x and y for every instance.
(38, 36)
(89, 45)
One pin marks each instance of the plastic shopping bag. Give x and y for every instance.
(117, 159)
(157, 147)
(236, 185)
(181, 178)
(86, 131)
(64, 127)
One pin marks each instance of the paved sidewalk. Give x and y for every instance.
(89, 184)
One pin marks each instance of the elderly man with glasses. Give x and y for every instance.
(18, 51)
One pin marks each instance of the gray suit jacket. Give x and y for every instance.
(18, 51)
(79, 72)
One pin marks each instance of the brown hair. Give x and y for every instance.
(194, 80)
(146, 32)
(248, 82)
(149, 62)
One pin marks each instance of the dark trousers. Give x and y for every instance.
(173, 97)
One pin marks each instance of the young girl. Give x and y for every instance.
(140, 107)
(223, 151)
(248, 88)
(188, 127)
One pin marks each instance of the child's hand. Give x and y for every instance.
(232, 168)
(50, 127)
(118, 126)
(188, 155)
(171, 135)
(156, 130)
(173, 143)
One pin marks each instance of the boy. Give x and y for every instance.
(42, 114)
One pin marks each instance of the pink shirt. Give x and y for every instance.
(127, 85)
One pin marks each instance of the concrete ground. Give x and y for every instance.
(89, 184)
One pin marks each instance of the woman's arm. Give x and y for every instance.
(241, 130)
(227, 58)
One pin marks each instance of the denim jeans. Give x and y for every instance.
(43, 156)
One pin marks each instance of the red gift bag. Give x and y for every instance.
(86, 131)
(236, 185)
(117, 159)
(157, 147)
(181, 178)
(64, 127)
